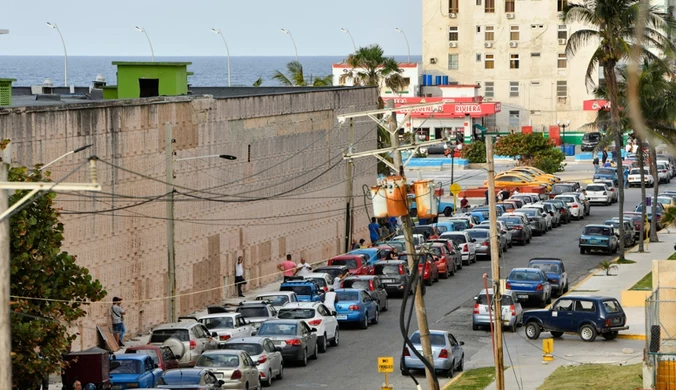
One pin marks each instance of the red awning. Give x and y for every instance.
(595, 105)
(452, 108)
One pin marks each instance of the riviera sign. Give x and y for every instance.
(467, 108)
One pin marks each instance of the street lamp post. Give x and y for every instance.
(408, 48)
(143, 30)
(287, 32)
(171, 240)
(346, 31)
(563, 126)
(227, 49)
(42, 168)
(65, 53)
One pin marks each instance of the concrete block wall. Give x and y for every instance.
(285, 193)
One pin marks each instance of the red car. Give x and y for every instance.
(442, 258)
(426, 267)
(452, 249)
(161, 355)
(356, 263)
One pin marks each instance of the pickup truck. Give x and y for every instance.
(530, 283)
(162, 355)
(133, 371)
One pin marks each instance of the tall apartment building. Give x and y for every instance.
(515, 51)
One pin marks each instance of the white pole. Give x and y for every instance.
(65, 53)
(227, 50)
(408, 48)
(285, 31)
(5, 328)
(346, 31)
(152, 51)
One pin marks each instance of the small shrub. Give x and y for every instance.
(549, 160)
(474, 152)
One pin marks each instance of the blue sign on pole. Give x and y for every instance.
(648, 201)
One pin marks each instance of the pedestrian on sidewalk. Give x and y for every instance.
(303, 269)
(505, 194)
(596, 163)
(626, 177)
(463, 204)
(239, 276)
(287, 267)
(362, 244)
(604, 156)
(117, 315)
(486, 195)
(374, 230)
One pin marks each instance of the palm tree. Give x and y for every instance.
(612, 23)
(296, 77)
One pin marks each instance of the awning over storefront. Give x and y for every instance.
(595, 105)
(452, 108)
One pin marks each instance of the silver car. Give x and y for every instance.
(448, 353)
(186, 339)
(264, 352)
(256, 312)
(512, 311)
(483, 245)
(234, 367)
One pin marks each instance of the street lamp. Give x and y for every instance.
(143, 30)
(285, 31)
(81, 148)
(346, 31)
(227, 49)
(563, 126)
(65, 53)
(405, 38)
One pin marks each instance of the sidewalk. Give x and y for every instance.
(529, 371)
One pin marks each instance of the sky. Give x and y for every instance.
(182, 28)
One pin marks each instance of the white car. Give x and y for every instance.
(465, 243)
(663, 172)
(502, 225)
(611, 187)
(418, 239)
(227, 326)
(325, 280)
(316, 315)
(575, 207)
(278, 298)
(262, 351)
(668, 165)
(599, 193)
(543, 213)
(635, 178)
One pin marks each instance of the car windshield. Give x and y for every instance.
(546, 267)
(597, 231)
(637, 171)
(356, 283)
(434, 250)
(349, 263)
(456, 238)
(331, 271)
(387, 269)
(612, 306)
(649, 210)
(612, 223)
(530, 212)
(320, 280)
(250, 348)
(511, 221)
(524, 275)
(218, 360)
(299, 290)
(478, 233)
(593, 137)
(272, 329)
(218, 323)
(505, 300)
(461, 224)
(347, 296)
(275, 300)
(435, 338)
(161, 335)
(560, 189)
(596, 187)
(150, 352)
(256, 311)
(125, 367)
(605, 171)
(567, 199)
(295, 314)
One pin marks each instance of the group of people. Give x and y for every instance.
(378, 230)
(605, 162)
(503, 194)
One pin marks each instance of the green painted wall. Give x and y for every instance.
(172, 76)
(110, 92)
(6, 92)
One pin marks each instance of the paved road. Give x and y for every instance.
(352, 365)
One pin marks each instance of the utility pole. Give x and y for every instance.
(349, 190)
(495, 265)
(171, 255)
(394, 139)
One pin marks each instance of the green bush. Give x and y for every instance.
(532, 149)
(474, 152)
(549, 160)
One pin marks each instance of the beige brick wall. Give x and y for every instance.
(284, 143)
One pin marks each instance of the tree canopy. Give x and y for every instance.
(532, 149)
(296, 77)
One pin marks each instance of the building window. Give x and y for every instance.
(490, 122)
(563, 31)
(509, 5)
(561, 89)
(489, 62)
(453, 62)
(514, 118)
(562, 61)
(489, 6)
(478, 29)
(453, 33)
(488, 89)
(478, 2)
(561, 5)
(535, 54)
(513, 61)
(513, 33)
(513, 89)
(489, 35)
(478, 57)
(453, 6)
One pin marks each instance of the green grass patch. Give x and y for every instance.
(672, 257)
(625, 261)
(595, 376)
(647, 282)
(477, 378)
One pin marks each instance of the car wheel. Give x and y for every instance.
(281, 371)
(404, 372)
(610, 335)
(336, 339)
(453, 268)
(513, 328)
(565, 289)
(268, 382)
(445, 274)
(549, 298)
(423, 289)
(364, 324)
(448, 212)
(523, 242)
(461, 366)
(387, 305)
(303, 361)
(588, 333)
(315, 354)
(429, 282)
(475, 326)
(375, 319)
(556, 334)
(474, 260)
(323, 343)
(449, 372)
(583, 251)
(532, 330)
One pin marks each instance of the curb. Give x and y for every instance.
(449, 383)
(631, 336)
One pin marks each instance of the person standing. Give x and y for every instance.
(604, 157)
(374, 230)
(362, 244)
(287, 267)
(486, 195)
(626, 177)
(303, 269)
(596, 163)
(339, 279)
(239, 276)
(634, 146)
(505, 194)
(117, 315)
(463, 204)
(516, 191)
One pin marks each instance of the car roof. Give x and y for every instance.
(361, 277)
(252, 340)
(222, 352)
(595, 225)
(331, 266)
(490, 291)
(317, 275)
(287, 293)
(131, 356)
(589, 297)
(525, 269)
(301, 305)
(282, 321)
(348, 256)
(396, 262)
(350, 289)
(546, 260)
(185, 325)
(219, 315)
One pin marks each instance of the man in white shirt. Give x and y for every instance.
(303, 269)
(239, 276)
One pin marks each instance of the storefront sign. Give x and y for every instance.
(451, 108)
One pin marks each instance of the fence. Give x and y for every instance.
(661, 337)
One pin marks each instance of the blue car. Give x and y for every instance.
(306, 290)
(555, 270)
(447, 352)
(133, 371)
(356, 306)
(190, 378)
(606, 174)
(530, 283)
(449, 226)
(598, 237)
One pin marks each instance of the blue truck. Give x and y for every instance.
(133, 371)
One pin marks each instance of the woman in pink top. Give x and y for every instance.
(288, 267)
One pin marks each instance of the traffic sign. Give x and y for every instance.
(385, 364)
(455, 189)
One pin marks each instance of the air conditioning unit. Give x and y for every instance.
(488, 45)
(452, 15)
(513, 44)
(453, 44)
(562, 41)
(510, 16)
(433, 60)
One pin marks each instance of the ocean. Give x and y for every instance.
(208, 71)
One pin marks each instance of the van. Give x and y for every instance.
(590, 141)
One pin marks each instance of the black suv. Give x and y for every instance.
(590, 141)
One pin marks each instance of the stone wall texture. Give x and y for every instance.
(285, 193)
